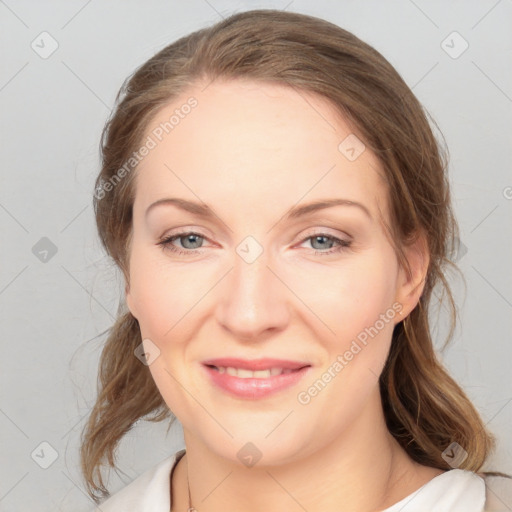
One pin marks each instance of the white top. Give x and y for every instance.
(455, 490)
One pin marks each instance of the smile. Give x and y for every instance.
(249, 374)
(254, 379)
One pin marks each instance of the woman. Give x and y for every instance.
(304, 376)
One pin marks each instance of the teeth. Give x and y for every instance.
(249, 374)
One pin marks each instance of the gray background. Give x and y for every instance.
(54, 305)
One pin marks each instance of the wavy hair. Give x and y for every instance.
(425, 409)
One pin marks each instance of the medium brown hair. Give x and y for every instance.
(425, 409)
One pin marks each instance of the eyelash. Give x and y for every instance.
(166, 244)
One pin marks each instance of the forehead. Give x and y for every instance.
(244, 140)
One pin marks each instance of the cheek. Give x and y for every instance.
(350, 301)
(349, 296)
(363, 322)
(162, 295)
(357, 307)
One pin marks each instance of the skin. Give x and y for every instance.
(252, 151)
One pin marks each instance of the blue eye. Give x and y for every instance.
(322, 237)
(188, 237)
(191, 243)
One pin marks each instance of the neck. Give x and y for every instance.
(360, 469)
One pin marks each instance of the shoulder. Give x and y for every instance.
(149, 491)
(498, 493)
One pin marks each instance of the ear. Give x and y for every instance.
(410, 287)
(130, 302)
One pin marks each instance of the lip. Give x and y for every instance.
(255, 388)
(256, 364)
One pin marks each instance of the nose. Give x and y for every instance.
(254, 302)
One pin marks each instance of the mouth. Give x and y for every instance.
(254, 368)
(242, 373)
(252, 379)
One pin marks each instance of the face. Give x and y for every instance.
(306, 298)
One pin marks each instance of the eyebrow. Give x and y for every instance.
(203, 210)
